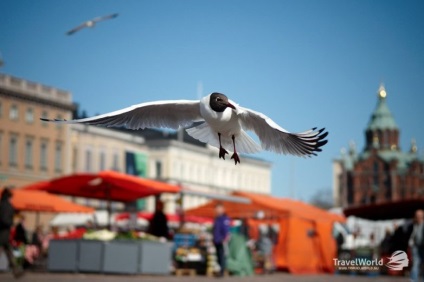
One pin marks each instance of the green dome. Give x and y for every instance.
(381, 118)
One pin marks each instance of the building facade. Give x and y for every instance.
(382, 172)
(30, 149)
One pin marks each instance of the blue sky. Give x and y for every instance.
(303, 63)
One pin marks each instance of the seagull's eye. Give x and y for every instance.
(219, 99)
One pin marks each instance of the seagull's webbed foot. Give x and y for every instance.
(222, 153)
(236, 158)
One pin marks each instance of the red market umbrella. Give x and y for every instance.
(105, 185)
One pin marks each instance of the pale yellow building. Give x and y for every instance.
(32, 150)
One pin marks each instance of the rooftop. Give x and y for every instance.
(382, 118)
(41, 93)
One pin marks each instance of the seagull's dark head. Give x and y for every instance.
(219, 102)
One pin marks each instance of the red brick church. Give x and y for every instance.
(381, 172)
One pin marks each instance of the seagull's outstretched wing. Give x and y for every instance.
(78, 28)
(277, 139)
(104, 18)
(164, 114)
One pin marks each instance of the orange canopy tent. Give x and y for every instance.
(305, 243)
(39, 201)
(105, 185)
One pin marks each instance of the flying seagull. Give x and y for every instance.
(91, 23)
(223, 124)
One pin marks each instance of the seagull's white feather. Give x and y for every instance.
(226, 123)
(164, 114)
(277, 139)
(206, 134)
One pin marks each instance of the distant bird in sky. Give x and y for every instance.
(91, 23)
(223, 125)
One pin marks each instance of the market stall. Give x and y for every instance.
(131, 254)
(305, 242)
(40, 201)
(121, 256)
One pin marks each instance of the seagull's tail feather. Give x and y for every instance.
(205, 134)
(244, 143)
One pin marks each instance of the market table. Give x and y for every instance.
(115, 256)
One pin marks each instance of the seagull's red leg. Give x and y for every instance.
(235, 156)
(222, 151)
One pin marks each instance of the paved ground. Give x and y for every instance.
(278, 277)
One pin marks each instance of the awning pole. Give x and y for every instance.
(109, 207)
(37, 219)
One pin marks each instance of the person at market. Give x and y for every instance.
(6, 222)
(386, 243)
(89, 226)
(416, 242)
(265, 247)
(159, 223)
(34, 249)
(221, 236)
(20, 237)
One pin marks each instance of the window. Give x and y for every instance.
(43, 155)
(13, 151)
(29, 115)
(102, 161)
(386, 139)
(375, 176)
(44, 115)
(158, 169)
(14, 113)
(58, 125)
(182, 171)
(29, 153)
(58, 157)
(115, 165)
(74, 159)
(88, 160)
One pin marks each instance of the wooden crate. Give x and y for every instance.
(185, 271)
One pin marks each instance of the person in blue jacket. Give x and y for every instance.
(221, 235)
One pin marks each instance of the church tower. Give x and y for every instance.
(381, 172)
(382, 133)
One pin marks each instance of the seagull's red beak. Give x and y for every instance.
(231, 106)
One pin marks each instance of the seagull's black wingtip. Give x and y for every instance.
(320, 141)
(46, 119)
